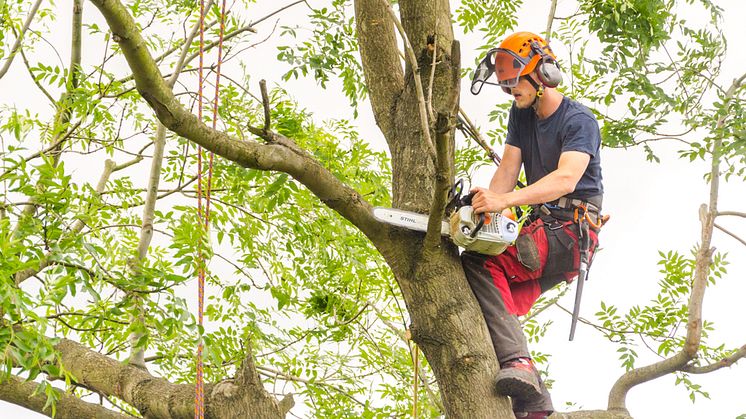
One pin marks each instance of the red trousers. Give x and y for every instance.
(518, 284)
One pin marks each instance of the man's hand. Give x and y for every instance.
(485, 200)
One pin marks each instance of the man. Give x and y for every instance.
(557, 141)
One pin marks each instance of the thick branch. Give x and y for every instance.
(444, 145)
(23, 393)
(378, 51)
(77, 42)
(618, 393)
(137, 355)
(412, 59)
(155, 397)
(279, 154)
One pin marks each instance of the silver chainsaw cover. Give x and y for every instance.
(497, 233)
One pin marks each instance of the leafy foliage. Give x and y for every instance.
(331, 50)
(285, 273)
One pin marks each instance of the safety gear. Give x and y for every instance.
(519, 55)
(518, 378)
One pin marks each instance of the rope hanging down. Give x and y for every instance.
(204, 193)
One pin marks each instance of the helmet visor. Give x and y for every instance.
(508, 67)
(483, 72)
(505, 63)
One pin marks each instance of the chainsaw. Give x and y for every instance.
(486, 233)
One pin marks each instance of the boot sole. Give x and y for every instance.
(518, 388)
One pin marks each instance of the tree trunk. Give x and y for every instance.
(446, 321)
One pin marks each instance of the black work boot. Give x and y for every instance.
(519, 379)
(536, 408)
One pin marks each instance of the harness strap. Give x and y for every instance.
(571, 203)
(566, 208)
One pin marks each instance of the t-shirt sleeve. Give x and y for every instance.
(582, 134)
(513, 137)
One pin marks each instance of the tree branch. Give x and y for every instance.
(265, 104)
(412, 59)
(733, 213)
(445, 145)
(280, 154)
(24, 393)
(725, 362)
(260, 20)
(550, 20)
(703, 260)
(730, 233)
(17, 45)
(155, 397)
(379, 53)
(137, 355)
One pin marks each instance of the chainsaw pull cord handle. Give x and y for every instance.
(479, 226)
(466, 201)
(482, 217)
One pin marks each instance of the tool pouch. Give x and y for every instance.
(528, 252)
(560, 255)
(527, 248)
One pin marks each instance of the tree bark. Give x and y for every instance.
(446, 321)
(157, 398)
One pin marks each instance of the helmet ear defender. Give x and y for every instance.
(547, 69)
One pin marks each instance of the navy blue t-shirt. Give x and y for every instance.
(572, 127)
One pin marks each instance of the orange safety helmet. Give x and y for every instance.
(518, 55)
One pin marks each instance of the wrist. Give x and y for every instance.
(510, 200)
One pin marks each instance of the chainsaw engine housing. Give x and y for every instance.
(497, 233)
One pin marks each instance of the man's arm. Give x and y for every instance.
(506, 175)
(560, 182)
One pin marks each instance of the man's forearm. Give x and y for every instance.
(502, 181)
(550, 187)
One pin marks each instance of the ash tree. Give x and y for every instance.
(310, 300)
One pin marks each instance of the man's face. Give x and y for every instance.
(523, 93)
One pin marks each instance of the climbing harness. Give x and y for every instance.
(204, 193)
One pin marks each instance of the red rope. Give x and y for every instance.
(199, 405)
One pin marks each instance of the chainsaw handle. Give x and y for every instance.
(457, 190)
(454, 196)
(466, 200)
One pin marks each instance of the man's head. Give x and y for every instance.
(521, 57)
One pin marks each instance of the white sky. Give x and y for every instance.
(653, 207)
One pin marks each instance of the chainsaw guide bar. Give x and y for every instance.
(407, 219)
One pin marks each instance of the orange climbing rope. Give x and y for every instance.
(204, 193)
